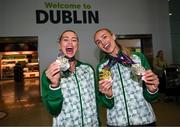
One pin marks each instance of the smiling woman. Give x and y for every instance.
(70, 98)
(120, 74)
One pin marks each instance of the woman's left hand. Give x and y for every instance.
(151, 80)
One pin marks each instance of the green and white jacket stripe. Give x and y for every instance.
(130, 104)
(74, 104)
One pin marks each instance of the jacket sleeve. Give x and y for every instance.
(102, 99)
(52, 99)
(150, 97)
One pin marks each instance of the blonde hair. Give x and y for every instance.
(60, 37)
(121, 47)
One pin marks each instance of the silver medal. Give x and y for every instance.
(63, 62)
(137, 69)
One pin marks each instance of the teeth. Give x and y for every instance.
(106, 46)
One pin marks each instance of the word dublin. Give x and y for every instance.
(67, 14)
(66, 17)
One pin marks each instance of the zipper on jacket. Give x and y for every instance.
(79, 97)
(124, 95)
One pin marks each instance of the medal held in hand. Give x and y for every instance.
(63, 62)
(137, 69)
(105, 74)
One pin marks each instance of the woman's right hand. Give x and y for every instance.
(105, 87)
(53, 74)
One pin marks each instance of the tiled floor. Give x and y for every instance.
(21, 102)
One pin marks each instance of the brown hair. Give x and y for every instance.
(60, 37)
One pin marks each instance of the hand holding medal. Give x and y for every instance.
(63, 62)
(105, 74)
(151, 80)
(137, 69)
(105, 79)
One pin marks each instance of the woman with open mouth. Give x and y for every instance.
(126, 83)
(68, 87)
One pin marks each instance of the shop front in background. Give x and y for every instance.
(21, 51)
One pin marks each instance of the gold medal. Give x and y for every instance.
(137, 69)
(105, 74)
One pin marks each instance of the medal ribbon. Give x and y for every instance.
(122, 58)
(125, 59)
(111, 62)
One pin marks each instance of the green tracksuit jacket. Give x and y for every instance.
(130, 103)
(74, 103)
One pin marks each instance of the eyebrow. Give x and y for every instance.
(68, 37)
(101, 37)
